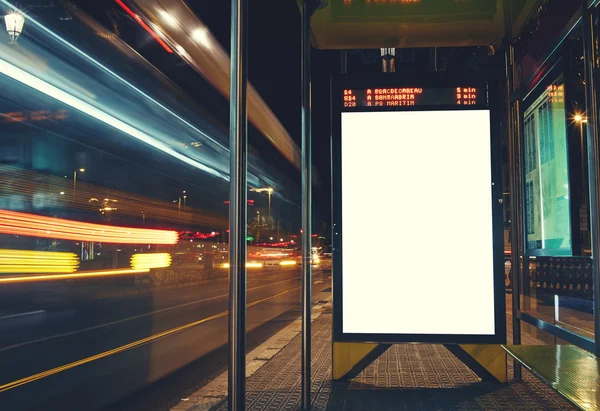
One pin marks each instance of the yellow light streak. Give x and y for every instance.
(150, 260)
(32, 262)
(82, 274)
(287, 263)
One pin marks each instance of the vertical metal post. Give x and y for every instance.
(238, 146)
(592, 156)
(307, 11)
(343, 61)
(515, 189)
(388, 60)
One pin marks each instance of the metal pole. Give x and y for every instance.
(343, 61)
(515, 232)
(592, 155)
(307, 11)
(238, 145)
(388, 60)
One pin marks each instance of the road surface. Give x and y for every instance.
(86, 356)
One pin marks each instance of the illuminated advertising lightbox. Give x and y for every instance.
(546, 172)
(417, 239)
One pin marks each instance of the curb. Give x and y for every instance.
(216, 391)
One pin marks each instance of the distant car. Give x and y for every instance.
(327, 252)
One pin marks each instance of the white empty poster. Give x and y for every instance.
(417, 246)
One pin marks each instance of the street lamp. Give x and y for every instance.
(258, 226)
(14, 25)
(268, 190)
(579, 119)
(81, 170)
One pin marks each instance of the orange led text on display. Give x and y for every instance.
(466, 96)
(556, 94)
(393, 97)
(410, 96)
(349, 99)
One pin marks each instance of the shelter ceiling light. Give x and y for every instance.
(14, 25)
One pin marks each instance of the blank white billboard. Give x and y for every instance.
(417, 243)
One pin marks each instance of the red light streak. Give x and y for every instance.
(32, 225)
(274, 245)
(144, 25)
(250, 202)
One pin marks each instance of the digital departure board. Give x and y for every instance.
(413, 97)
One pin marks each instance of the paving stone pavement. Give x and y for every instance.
(408, 377)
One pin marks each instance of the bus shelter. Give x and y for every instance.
(545, 113)
(500, 25)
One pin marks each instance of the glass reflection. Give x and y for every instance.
(114, 223)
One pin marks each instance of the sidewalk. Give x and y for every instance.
(407, 377)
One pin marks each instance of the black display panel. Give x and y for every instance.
(413, 97)
(416, 167)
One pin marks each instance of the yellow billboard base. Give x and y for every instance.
(488, 361)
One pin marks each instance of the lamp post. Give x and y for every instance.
(81, 170)
(580, 120)
(14, 25)
(269, 191)
(258, 226)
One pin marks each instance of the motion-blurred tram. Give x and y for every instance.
(114, 188)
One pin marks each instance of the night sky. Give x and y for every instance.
(273, 69)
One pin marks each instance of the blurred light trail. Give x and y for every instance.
(187, 129)
(248, 265)
(49, 191)
(205, 55)
(97, 63)
(287, 262)
(48, 89)
(12, 222)
(74, 276)
(144, 25)
(24, 261)
(150, 260)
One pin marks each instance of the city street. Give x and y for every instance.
(103, 350)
